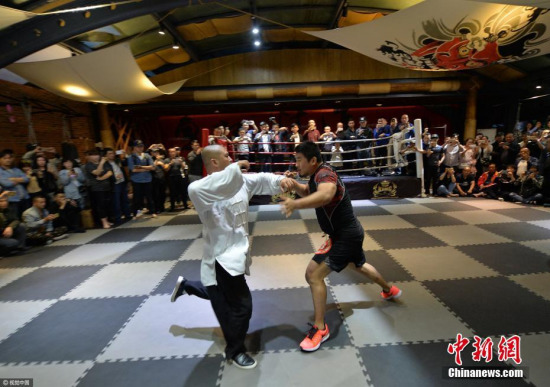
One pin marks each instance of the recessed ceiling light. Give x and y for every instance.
(255, 30)
(337, 101)
(257, 43)
(76, 90)
(162, 32)
(126, 110)
(538, 87)
(378, 104)
(175, 46)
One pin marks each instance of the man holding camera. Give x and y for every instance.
(263, 141)
(173, 166)
(39, 223)
(221, 200)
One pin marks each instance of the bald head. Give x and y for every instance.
(215, 158)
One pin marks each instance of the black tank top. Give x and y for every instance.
(336, 218)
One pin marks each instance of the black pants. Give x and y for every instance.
(431, 178)
(100, 203)
(141, 191)
(178, 190)
(232, 304)
(69, 217)
(159, 194)
(16, 241)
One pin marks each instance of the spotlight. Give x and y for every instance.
(257, 43)
(255, 30)
(175, 46)
(538, 87)
(161, 32)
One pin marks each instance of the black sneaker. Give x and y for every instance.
(178, 289)
(244, 361)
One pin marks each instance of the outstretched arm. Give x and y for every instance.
(323, 196)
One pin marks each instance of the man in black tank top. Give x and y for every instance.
(327, 194)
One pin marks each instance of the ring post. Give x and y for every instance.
(419, 158)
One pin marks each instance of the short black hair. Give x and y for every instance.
(309, 150)
(105, 150)
(38, 197)
(6, 152)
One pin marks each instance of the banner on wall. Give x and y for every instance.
(441, 35)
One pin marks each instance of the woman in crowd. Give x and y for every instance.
(72, 179)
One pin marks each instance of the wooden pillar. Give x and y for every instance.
(105, 131)
(470, 125)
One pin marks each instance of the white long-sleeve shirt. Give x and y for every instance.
(221, 200)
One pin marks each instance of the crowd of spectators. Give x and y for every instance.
(514, 167)
(269, 146)
(43, 197)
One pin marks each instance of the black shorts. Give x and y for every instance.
(337, 254)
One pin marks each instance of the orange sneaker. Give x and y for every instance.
(314, 338)
(394, 292)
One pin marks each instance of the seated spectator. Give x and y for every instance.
(524, 162)
(507, 183)
(447, 183)
(488, 183)
(530, 189)
(12, 232)
(39, 223)
(73, 181)
(68, 211)
(466, 182)
(13, 179)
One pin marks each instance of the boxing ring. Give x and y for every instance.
(368, 167)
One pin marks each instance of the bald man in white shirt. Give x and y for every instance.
(221, 200)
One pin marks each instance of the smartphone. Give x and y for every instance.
(119, 152)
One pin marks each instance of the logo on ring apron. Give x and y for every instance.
(385, 189)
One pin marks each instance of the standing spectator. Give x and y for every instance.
(296, 138)
(452, 153)
(509, 150)
(13, 179)
(33, 187)
(242, 142)
(447, 183)
(394, 126)
(488, 183)
(98, 176)
(351, 145)
(311, 133)
(365, 133)
(72, 179)
(280, 137)
(408, 134)
(39, 223)
(530, 142)
(466, 182)
(497, 150)
(68, 213)
(119, 193)
(12, 232)
(194, 160)
(484, 155)
(433, 157)
(382, 132)
(141, 165)
(336, 158)
(263, 140)
(328, 138)
(468, 155)
(173, 166)
(46, 179)
(159, 180)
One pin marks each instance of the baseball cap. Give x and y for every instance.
(434, 136)
(362, 119)
(138, 143)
